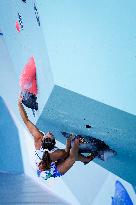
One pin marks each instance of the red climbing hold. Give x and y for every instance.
(28, 77)
(17, 26)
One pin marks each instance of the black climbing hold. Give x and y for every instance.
(89, 144)
(37, 14)
(29, 100)
(20, 21)
(65, 134)
(88, 126)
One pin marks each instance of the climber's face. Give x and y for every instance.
(48, 141)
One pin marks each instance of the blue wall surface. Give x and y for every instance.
(71, 112)
(10, 150)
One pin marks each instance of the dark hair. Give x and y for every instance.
(46, 159)
(48, 143)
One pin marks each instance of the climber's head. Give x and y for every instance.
(48, 141)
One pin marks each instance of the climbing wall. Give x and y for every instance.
(21, 39)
